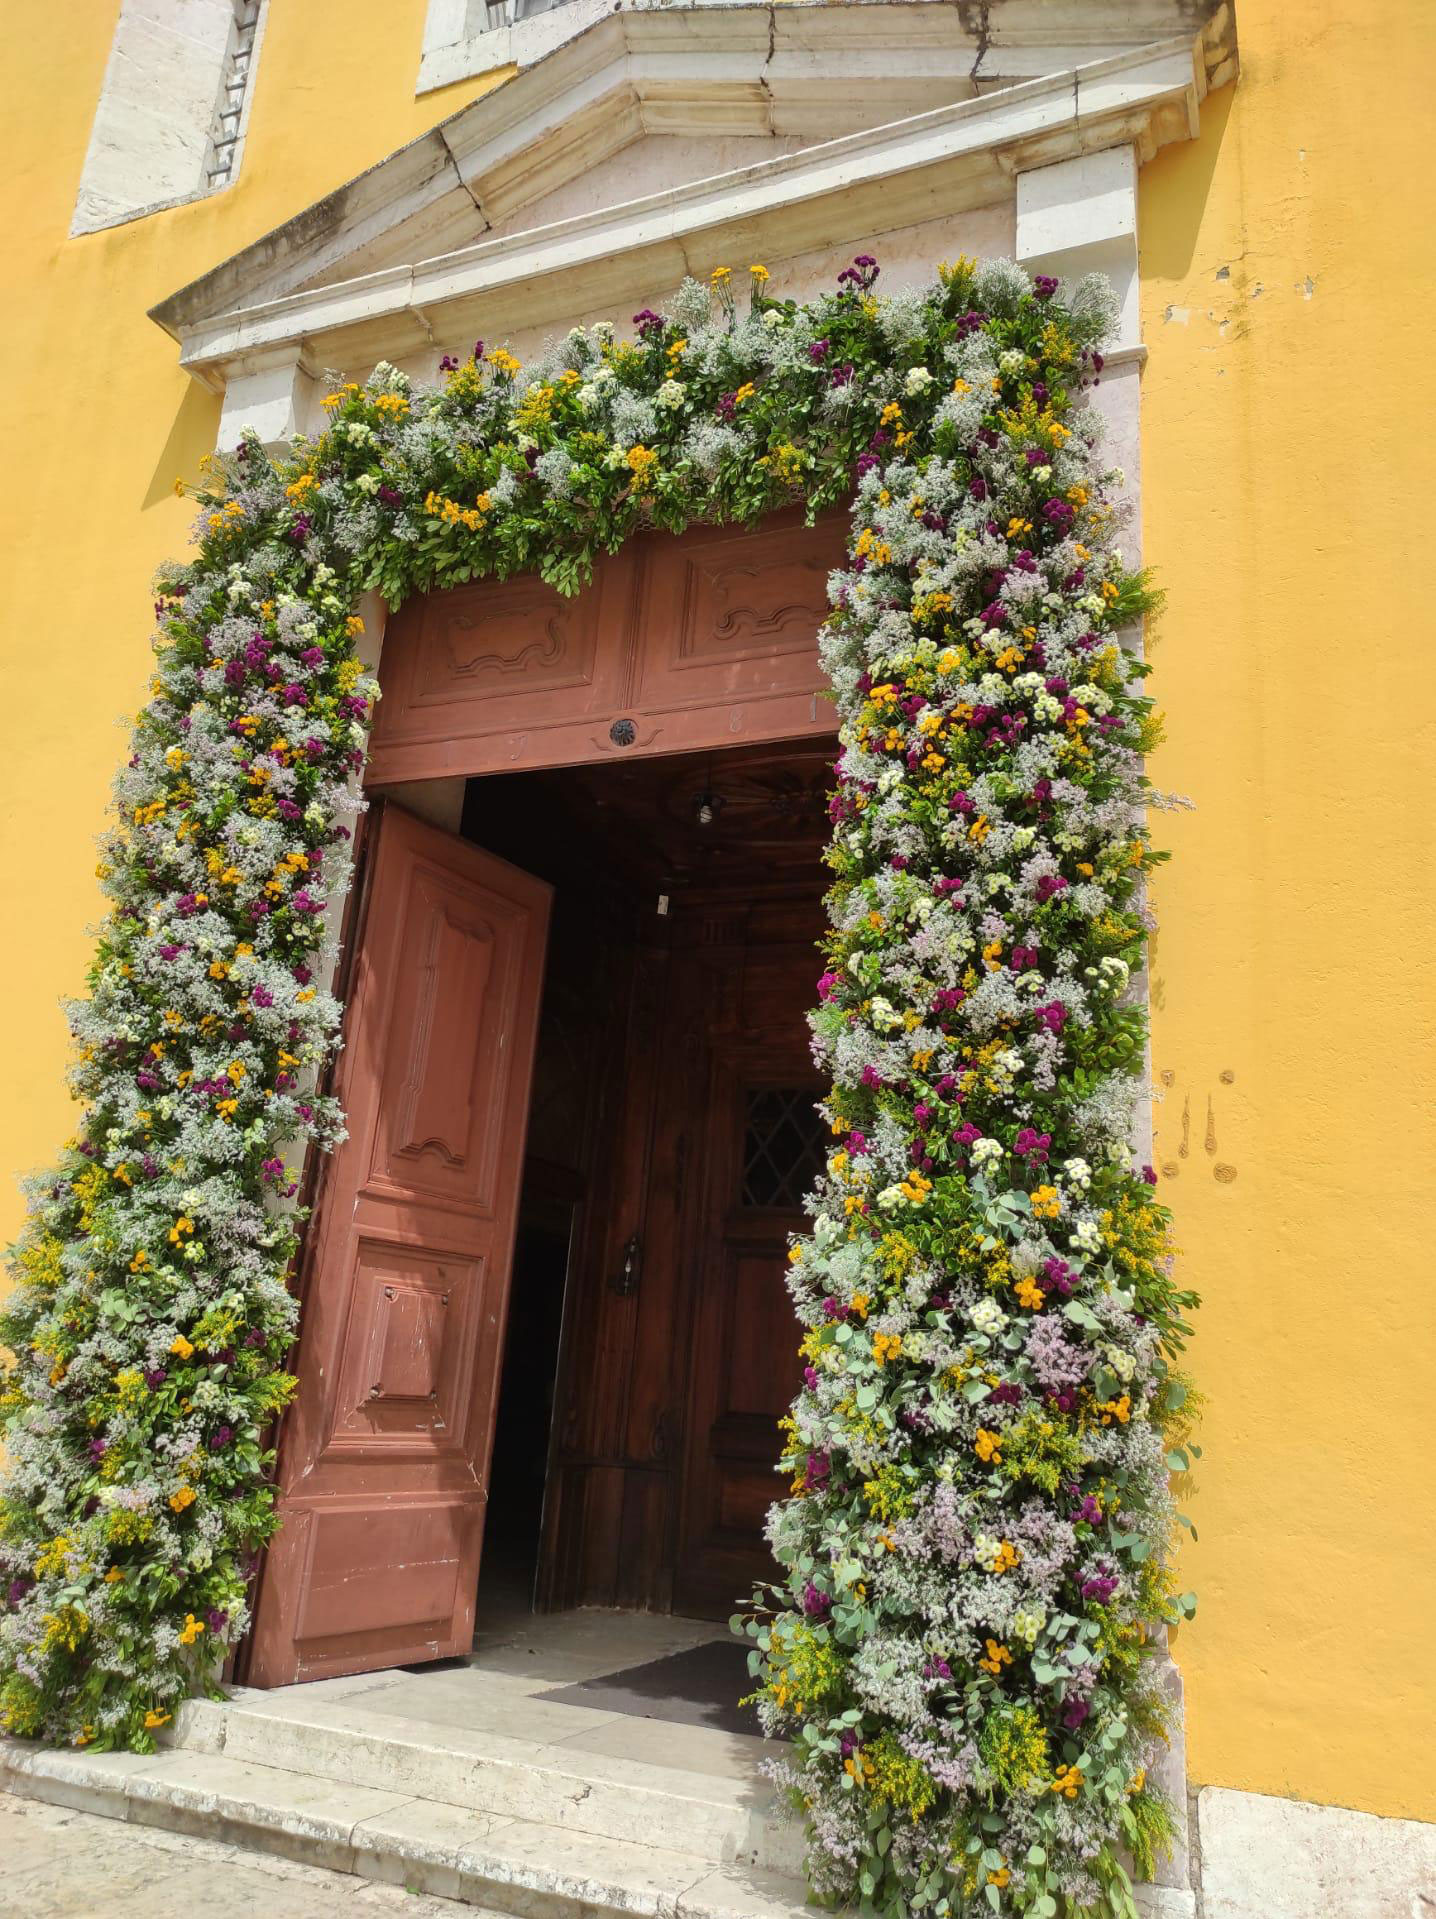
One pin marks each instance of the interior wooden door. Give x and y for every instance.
(384, 1455)
(763, 1142)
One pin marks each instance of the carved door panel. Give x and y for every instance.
(384, 1455)
(764, 1144)
(699, 641)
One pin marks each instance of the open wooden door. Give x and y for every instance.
(384, 1456)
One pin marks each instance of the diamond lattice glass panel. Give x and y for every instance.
(782, 1146)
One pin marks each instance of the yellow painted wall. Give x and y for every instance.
(1285, 502)
(1287, 286)
(98, 422)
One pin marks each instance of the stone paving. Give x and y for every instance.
(57, 1864)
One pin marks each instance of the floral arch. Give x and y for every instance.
(976, 1545)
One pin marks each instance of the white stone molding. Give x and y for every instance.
(1000, 40)
(173, 108)
(271, 392)
(862, 184)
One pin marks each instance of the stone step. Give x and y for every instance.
(503, 1865)
(726, 1819)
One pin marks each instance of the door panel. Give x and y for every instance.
(384, 1455)
(763, 1142)
(700, 641)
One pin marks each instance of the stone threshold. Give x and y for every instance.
(510, 1866)
(526, 1867)
(468, 1782)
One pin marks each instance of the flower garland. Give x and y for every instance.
(976, 1545)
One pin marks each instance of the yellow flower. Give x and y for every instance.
(504, 361)
(759, 273)
(720, 274)
(1029, 1294)
(997, 1658)
(886, 1346)
(180, 1346)
(156, 1719)
(1068, 1781)
(1046, 1202)
(184, 1497)
(988, 1446)
(641, 462)
(191, 1629)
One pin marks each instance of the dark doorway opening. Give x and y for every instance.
(672, 1137)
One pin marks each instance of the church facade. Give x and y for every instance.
(544, 1336)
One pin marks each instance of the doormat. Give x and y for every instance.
(699, 1687)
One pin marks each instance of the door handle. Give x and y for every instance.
(625, 1281)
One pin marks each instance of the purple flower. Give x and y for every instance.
(817, 1605)
(220, 1438)
(1044, 286)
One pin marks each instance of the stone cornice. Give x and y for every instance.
(947, 159)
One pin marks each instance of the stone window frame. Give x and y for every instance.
(460, 41)
(173, 111)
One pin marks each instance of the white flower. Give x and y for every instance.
(772, 317)
(1013, 361)
(918, 380)
(368, 483)
(891, 1197)
(884, 1014)
(988, 1317)
(1027, 1622)
(1087, 1238)
(670, 394)
(986, 1152)
(985, 1548)
(602, 330)
(1078, 1172)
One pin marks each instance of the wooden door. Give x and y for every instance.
(384, 1455)
(762, 1142)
